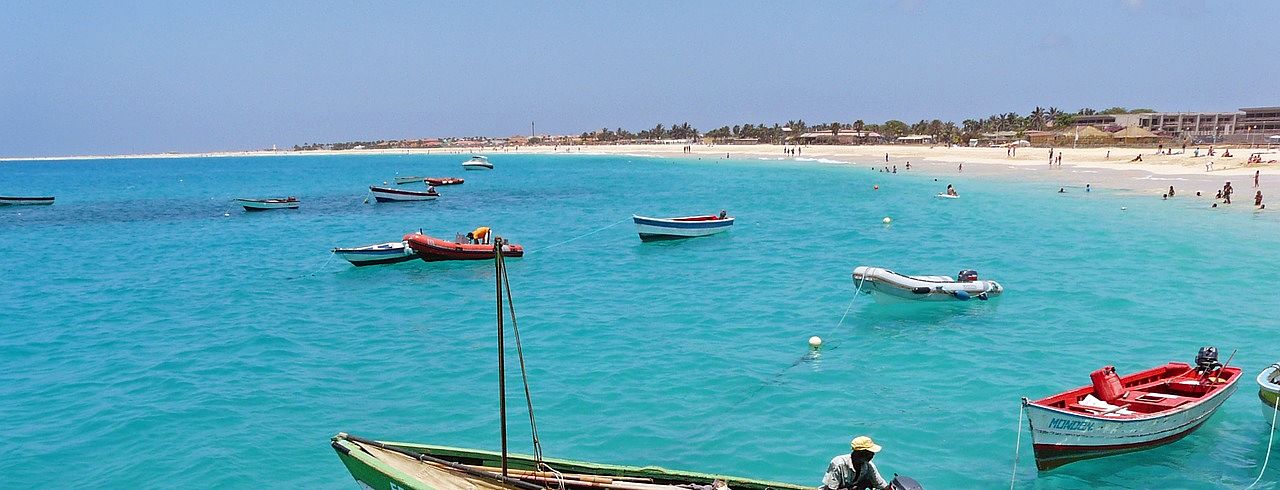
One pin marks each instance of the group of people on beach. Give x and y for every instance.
(791, 151)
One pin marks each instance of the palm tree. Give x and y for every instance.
(1053, 114)
(1037, 118)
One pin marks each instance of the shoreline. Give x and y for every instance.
(1108, 168)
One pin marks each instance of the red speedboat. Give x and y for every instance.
(433, 249)
(439, 181)
(1120, 414)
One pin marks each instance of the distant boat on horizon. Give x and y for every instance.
(25, 201)
(268, 204)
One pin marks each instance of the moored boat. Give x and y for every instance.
(388, 194)
(433, 249)
(408, 180)
(477, 162)
(886, 285)
(1269, 390)
(683, 227)
(267, 204)
(380, 253)
(398, 465)
(439, 181)
(1131, 413)
(25, 201)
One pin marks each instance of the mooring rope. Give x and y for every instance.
(809, 354)
(1275, 407)
(1017, 446)
(584, 235)
(317, 271)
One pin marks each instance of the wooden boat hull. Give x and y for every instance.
(1060, 436)
(267, 204)
(384, 470)
(25, 201)
(651, 229)
(383, 253)
(443, 181)
(886, 286)
(387, 194)
(433, 249)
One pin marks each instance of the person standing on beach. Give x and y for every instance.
(1226, 193)
(961, 167)
(1256, 173)
(1170, 191)
(886, 158)
(1051, 157)
(1257, 199)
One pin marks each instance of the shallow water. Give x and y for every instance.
(148, 340)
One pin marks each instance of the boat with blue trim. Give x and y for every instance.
(268, 204)
(683, 227)
(379, 253)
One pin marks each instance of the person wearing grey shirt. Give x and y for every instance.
(855, 471)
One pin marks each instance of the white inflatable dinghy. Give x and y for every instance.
(884, 284)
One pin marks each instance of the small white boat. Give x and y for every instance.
(683, 227)
(388, 194)
(381, 253)
(477, 162)
(884, 284)
(948, 196)
(1269, 390)
(409, 180)
(25, 201)
(267, 204)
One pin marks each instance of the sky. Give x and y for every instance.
(130, 77)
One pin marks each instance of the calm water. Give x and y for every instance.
(147, 340)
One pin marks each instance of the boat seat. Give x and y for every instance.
(1159, 401)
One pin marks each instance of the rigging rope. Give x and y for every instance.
(524, 375)
(611, 225)
(1017, 445)
(1274, 408)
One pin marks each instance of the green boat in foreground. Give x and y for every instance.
(403, 466)
(399, 465)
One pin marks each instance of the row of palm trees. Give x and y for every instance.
(1040, 118)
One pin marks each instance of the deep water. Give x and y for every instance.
(149, 341)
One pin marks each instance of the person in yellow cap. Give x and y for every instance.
(855, 471)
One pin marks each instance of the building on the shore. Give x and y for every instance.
(1180, 125)
(998, 138)
(1134, 135)
(842, 138)
(1260, 120)
(915, 139)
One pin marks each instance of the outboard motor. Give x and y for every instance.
(1207, 360)
(967, 275)
(904, 483)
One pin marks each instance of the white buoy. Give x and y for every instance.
(887, 220)
(815, 342)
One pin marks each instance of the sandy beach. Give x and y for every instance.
(1103, 168)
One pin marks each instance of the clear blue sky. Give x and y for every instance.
(113, 77)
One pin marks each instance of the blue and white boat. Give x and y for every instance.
(381, 253)
(682, 227)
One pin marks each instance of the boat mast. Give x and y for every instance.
(502, 378)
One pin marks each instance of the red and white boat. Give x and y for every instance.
(1124, 414)
(389, 194)
(433, 249)
(439, 181)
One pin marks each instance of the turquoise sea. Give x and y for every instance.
(149, 341)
